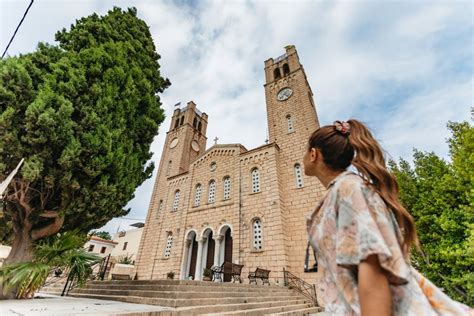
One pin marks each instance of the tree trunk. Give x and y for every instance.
(21, 251)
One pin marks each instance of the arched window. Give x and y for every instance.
(197, 195)
(176, 123)
(298, 176)
(276, 73)
(195, 123)
(257, 234)
(176, 200)
(226, 188)
(182, 120)
(169, 243)
(286, 69)
(168, 171)
(212, 192)
(199, 126)
(289, 122)
(255, 180)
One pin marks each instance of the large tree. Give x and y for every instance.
(83, 114)
(440, 196)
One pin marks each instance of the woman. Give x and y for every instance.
(362, 234)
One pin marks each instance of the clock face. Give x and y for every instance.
(195, 145)
(173, 143)
(284, 94)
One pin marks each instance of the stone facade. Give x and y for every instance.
(252, 203)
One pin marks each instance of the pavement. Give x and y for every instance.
(53, 305)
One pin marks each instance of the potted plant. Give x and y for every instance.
(170, 275)
(207, 274)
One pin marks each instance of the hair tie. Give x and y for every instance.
(342, 127)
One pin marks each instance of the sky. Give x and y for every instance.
(404, 68)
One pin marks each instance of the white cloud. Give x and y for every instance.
(404, 68)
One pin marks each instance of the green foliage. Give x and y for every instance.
(126, 259)
(207, 272)
(102, 234)
(83, 114)
(64, 251)
(25, 277)
(440, 196)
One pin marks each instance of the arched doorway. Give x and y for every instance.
(208, 249)
(193, 258)
(228, 246)
(225, 251)
(189, 256)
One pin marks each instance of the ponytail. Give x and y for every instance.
(369, 161)
(346, 143)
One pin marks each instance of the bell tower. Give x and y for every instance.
(185, 140)
(292, 117)
(291, 113)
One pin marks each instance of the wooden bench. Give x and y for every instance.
(261, 274)
(233, 269)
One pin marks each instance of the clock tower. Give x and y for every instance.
(291, 112)
(292, 117)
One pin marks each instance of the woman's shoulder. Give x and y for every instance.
(348, 181)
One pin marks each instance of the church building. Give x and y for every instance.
(230, 203)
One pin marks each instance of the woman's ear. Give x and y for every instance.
(314, 154)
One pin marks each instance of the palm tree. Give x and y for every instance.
(61, 252)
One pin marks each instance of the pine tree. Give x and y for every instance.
(83, 114)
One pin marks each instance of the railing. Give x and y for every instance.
(294, 282)
(103, 266)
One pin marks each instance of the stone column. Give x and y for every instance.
(184, 265)
(198, 272)
(217, 248)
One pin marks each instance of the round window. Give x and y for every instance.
(213, 166)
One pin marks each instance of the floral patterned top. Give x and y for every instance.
(351, 223)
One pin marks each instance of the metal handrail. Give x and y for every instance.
(103, 265)
(294, 282)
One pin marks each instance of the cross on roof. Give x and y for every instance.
(215, 140)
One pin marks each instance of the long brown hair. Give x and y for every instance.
(358, 147)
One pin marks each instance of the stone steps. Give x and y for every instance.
(54, 288)
(182, 294)
(264, 310)
(300, 312)
(183, 299)
(199, 298)
(182, 284)
(243, 309)
(184, 288)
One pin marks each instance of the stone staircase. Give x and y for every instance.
(198, 298)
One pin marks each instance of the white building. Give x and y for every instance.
(4, 252)
(99, 246)
(128, 242)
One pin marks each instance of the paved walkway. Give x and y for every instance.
(52, 305)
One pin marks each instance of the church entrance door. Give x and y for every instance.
(228, 252)
(210, 251)
(192, 263)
